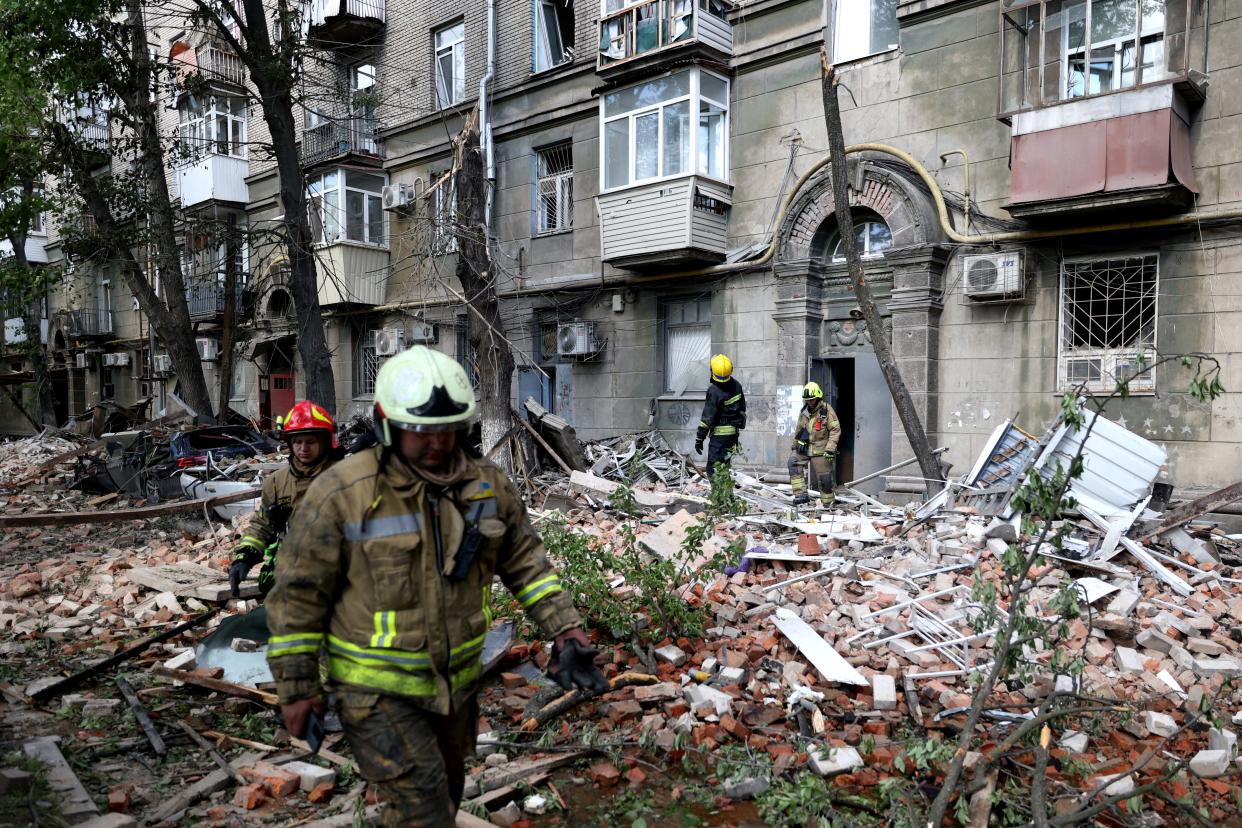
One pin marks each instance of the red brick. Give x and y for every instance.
(511, 680)
(604, 774)
(279, 782)
(118, 800)
(635, 776)
(320, 793)
(249, 796)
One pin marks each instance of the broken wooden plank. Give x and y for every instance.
(1189, 511)
(189, 580)
(76, 805)
(65, 685)
(544, 443)
(573, 698)
(170, 812)
(219, 685)
(215, 755)
(45, 519)
(144, 720)
(811, 644)
(559, 433)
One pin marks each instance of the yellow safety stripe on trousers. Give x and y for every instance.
(536, 592)
(293, 644)
(724, 431)
(733, 400)
(385, 629)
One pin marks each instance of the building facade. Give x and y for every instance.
(1045, 199)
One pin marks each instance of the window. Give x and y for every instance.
(37, 226)
(687, 344)
(863, 27)
(873, 239)
(347, 205)
(216, 125)
(366, 363)
(554, 33)
(364, 101)
(1108, 318)
(450, 69)
(1123, 34)
(554, 188)
(444, 214)
(239, 388)
(107, 383)
(648, 133)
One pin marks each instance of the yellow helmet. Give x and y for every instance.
(722, 367)
(812, 391)
(421, 389)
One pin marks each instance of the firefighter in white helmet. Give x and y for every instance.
(388, 569)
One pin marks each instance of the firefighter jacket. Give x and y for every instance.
(818, 431)
(724, 412)
(392, 576)
(280, 493)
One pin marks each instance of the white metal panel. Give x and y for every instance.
(214, 177)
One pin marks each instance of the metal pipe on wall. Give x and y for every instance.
(485, 117)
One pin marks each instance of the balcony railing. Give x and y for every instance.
(90, 322)
(222, 64)
(205, 295)
(332, 24)
(335, 139)
(646, 27)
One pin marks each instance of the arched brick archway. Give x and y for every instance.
(906, 210)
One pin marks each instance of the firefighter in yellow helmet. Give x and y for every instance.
(388, 569)
(724, 414)
(814, 444)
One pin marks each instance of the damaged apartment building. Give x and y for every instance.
(1045, 193)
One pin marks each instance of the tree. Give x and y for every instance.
(272, 59)
(94, 53)
(929, 462)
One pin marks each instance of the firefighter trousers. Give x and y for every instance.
(718, 448)
(821, 476)
(415, 758)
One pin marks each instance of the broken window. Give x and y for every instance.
(687, 344)
(554, 188)
(554, 33)
(863, 27)
(1108, 319)
(450, 68)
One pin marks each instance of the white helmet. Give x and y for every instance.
(421, 389)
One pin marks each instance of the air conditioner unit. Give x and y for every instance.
(163, 364)
(389, 341)
(110, 360)
(424, 332)
(120, 359)
(208, 349)
(80, 360)
(994, 275)
(576, 339)
(397, 196)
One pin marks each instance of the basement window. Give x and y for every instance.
(1108, 319)
(554, 33)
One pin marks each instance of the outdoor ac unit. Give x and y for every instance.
(424, 332)
(576, 339)
(994, 275)
(389, 341)
(163, 364)
(120, 359)
(397, 196)
(80, 360)
(208, 349)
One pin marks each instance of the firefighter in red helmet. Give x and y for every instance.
(311, 434)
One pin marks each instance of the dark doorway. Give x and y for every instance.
(60, 393)
(855, 388)
(836, 377)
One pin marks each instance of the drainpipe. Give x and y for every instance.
(485, 115)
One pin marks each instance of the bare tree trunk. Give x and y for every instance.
(928, 461)
(484, 327)
(44, 407)
(228, 323)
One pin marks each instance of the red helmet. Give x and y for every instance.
(307, 416)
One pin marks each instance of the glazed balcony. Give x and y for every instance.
(639, 36)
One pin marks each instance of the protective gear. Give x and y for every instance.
(306, 417)
(815, 444)
(366, 573)
(237, 572)
(812, 391)
(698, 445)
(296, 714)
(722, 368)
(573, 665)
(724, 417)
(421, 389)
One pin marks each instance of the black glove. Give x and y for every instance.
(698, 446)
(801, 448)
(237, 574)
(573, 665)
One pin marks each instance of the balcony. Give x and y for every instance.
(219, 63)
(205, 295)
(351, 274)
(213, 178)
(679, 222)
(90, 323)
(646, 34)
(1099, 96)
(336, 24)
(334, 140)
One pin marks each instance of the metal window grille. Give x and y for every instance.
(1108, 319)
(366, 363)
(555, 188)
(687, 344)
(444, 215)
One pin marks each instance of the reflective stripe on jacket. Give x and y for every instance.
(821, 427)
(724, 410)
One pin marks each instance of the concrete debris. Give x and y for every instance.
(834, 761)
(1209, 764)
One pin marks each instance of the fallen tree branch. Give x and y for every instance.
(560, 706)
(219, 685)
